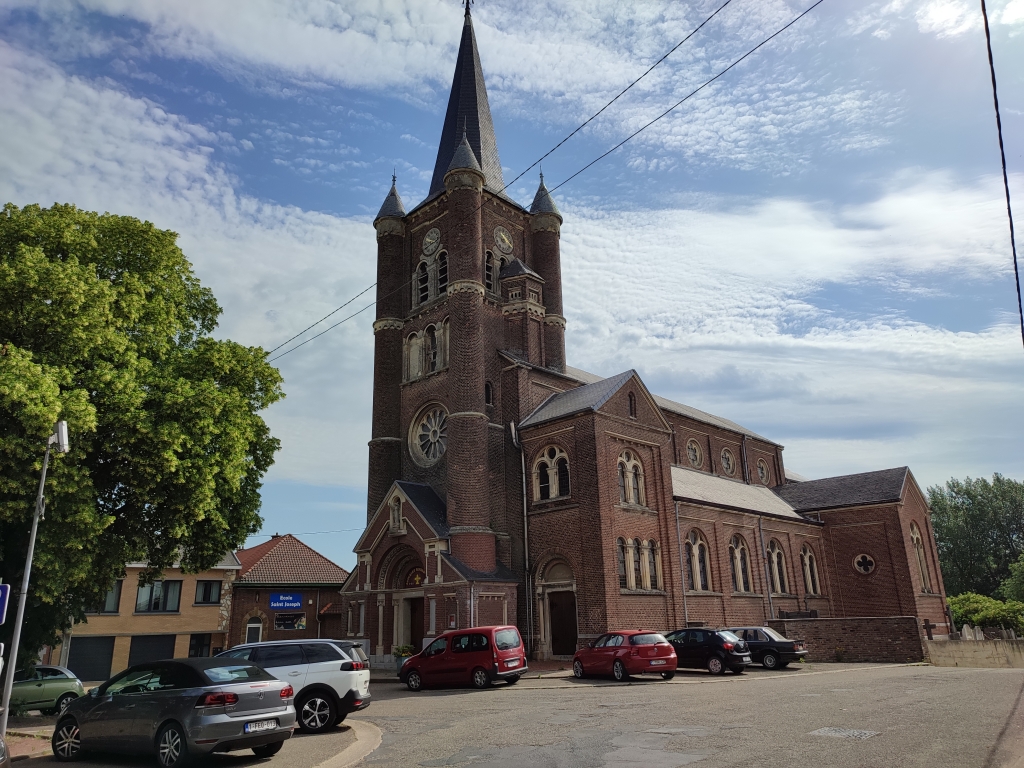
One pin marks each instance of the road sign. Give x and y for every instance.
(5, 593)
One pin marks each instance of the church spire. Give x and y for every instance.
(469, 113)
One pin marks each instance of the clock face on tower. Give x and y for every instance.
(503, 240)
(431, 240)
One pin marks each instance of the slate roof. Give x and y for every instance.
(515, 268)
(881, 487)
(469, 113)
(703, 488)
(392, 206)
(464, 157)
(589, 397)
(501, 573)
(543, 202)
(429, 505)
(286, 560)
(674, 407)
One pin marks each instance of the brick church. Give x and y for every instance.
(508, 487)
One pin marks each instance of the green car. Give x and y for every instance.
(46, 688)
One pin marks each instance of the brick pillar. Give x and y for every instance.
(386, 438)
(546, 229)
(472, 540)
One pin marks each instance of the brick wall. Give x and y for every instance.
(875, 639)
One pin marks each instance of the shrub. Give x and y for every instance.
(980, 611)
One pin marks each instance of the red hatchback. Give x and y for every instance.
(478, 655)
(621, 654)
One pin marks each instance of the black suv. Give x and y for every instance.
(769, 648)
(712, 649)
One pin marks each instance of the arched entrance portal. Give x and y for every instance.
(558, 595)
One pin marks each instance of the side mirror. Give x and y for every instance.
(590, 644)
(94, 692)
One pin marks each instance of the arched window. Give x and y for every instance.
(442, 343)
(620, 545)
(638, 578)
(489, 271)
(777, 567)
(254, 630)
(442, 273)
(488, 393)
(632, 405)
(739, 560)
(631, 479)
(414, 357)
(422, 283)
(653, 566)
(697, 562)
(430, 349)
(551, 474)
(810, 568)
(922, 561)
(396, 514)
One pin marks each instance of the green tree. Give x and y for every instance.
(103, 323)
(979, 530)
(981, 611)
(1013, 587)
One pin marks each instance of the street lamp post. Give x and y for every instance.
(59, 438)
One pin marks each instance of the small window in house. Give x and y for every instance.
(632, 405)
(111, 601)
(159, 597)
(199, 646)
(207, 592)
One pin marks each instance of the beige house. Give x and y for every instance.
(182, 614)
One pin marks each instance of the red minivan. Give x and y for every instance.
(478, 655)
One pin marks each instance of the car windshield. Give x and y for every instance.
(728, 636)
(236, 673)
(506, 639)
(676, 635)
(649, 639)
(773, 634)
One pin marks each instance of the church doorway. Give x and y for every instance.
(562, 610)
(415, 608)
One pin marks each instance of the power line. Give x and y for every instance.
(506, 186)
(640, 130)
(1002, 157)
(306, 533)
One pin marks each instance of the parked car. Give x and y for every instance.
(630, 652)
(478, 655)
(331, 677)
(46, 688)
(769, 648)
(179, 709)
(710, 649)
(5, 758)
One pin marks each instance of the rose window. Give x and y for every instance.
(430, 435)
(864, 563)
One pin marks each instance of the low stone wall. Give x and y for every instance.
(875, 639)
(994, 654)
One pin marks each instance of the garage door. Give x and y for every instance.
(151, 648)
(90, 657)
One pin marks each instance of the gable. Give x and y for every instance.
(647, 412)
(419, 504)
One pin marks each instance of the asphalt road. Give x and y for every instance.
(885, 716)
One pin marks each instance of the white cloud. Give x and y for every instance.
(947, 18)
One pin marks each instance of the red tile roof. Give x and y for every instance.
(286, 560)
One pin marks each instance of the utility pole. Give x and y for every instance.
(59, 438)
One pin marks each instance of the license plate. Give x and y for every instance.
(746, 659)
(657, 661)
(260, 725)
(512, 663)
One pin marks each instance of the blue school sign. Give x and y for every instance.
(5, 594)
(279, 600)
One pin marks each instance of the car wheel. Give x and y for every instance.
(481, 679)
(414, 681)
(715, 666)
(737, 670)
(512, 679)
(171, 747)
(63, 701)
(67, 741)
(619, 671)
(770, 660)
(667, 675)
(268, 750)
(577, 669)
(316, 712)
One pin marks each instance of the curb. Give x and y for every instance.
(368, 738)
(30, 734)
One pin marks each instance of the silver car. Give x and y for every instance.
(179, 709)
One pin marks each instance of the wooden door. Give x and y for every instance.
(562, 610)
(416, 623)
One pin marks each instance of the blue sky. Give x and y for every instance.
(815, 247)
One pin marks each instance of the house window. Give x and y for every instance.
(111, 601)
(254, 630)
(442, 274)
(207, 592)
(631, 480)
(551, 474)
(422, 284)
(199, 646)
(777, 567)
(620, 546)
(922, 561)
(739, 561)
(632, 405)
(159, 597)
(697, 562)
(810, 568)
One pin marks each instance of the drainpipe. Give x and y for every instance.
(526, 542)
(767, 573)
(682, 573)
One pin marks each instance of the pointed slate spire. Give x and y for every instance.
(464, 157)
(469, 112)
(392, 207)
(543, 202)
